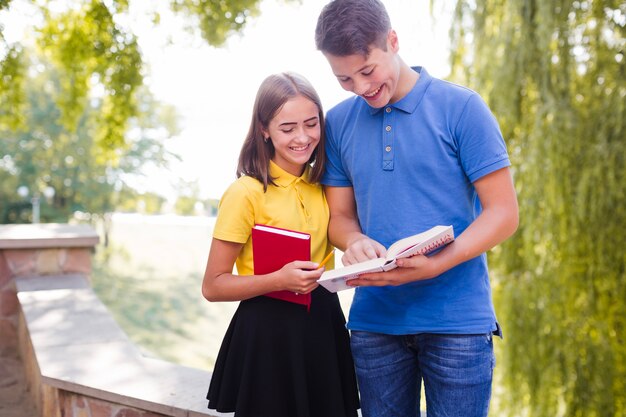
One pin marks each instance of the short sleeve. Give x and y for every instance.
(334, 173)
(481, 146)
(235, 215)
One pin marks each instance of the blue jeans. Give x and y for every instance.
(457, 371)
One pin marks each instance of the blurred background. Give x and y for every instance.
(129, 115)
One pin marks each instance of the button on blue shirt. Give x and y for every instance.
(411, 165)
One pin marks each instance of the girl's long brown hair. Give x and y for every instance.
(274, 92)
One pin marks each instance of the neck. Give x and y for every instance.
(406, 81)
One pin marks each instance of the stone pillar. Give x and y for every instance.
(28, 250)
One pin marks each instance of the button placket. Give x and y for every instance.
(297, 186)
(388, 150)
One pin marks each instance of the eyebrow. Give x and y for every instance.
(357, 71)
(295, 123)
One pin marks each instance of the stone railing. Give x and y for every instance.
(78, 361)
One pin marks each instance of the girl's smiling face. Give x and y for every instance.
(295, 133)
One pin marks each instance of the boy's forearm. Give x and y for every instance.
(344, 227)
(496, 223)
(491, 228)
(342, 231)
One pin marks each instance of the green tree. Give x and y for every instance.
(96, 71)
(211, 205)
(188, 202)
(89, 49)
(217, 20)
(553, 73)
(147, 203)
(47, 155)
(11, 87)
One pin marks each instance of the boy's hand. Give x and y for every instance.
(415, 268)
(299, 276)
(361, 250)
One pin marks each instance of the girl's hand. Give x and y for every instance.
(299, 276)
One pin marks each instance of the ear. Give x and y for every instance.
(392, 41)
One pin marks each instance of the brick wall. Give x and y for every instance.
(38, 250)
(45, 299)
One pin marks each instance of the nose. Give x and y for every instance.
(301, 134)
(360, 87)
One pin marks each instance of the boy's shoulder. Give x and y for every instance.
(448, 97)
(347, 104)
(346, 108)
(440, 85)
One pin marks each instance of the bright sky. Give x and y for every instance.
(213, 89)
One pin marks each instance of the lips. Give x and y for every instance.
(300, 148)
(373, 95)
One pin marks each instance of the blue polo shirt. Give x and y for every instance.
(411, 165)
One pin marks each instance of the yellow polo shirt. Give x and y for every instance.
(293, 203)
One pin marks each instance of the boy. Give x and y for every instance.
(407, 153)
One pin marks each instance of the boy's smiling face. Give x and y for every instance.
(373, 77)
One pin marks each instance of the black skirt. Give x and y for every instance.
(278, 360)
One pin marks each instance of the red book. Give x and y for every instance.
(273, 248)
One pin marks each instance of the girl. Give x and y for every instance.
(279, 358)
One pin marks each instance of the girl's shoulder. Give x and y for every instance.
(244, 187)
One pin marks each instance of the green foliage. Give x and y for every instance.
(71, 129)
(87, 47)
(553, 73)
(211, 206)
(188, 202)
(217, 20)
(45, 154)
(185, 206)
(92, 52)
(147, 203)
(11, 88)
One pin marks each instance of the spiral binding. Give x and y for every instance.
(435, 244)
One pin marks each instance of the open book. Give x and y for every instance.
(421, 243)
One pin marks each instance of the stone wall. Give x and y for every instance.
(38, 250)
(76, 359)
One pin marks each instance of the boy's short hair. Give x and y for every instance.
(352, 27)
